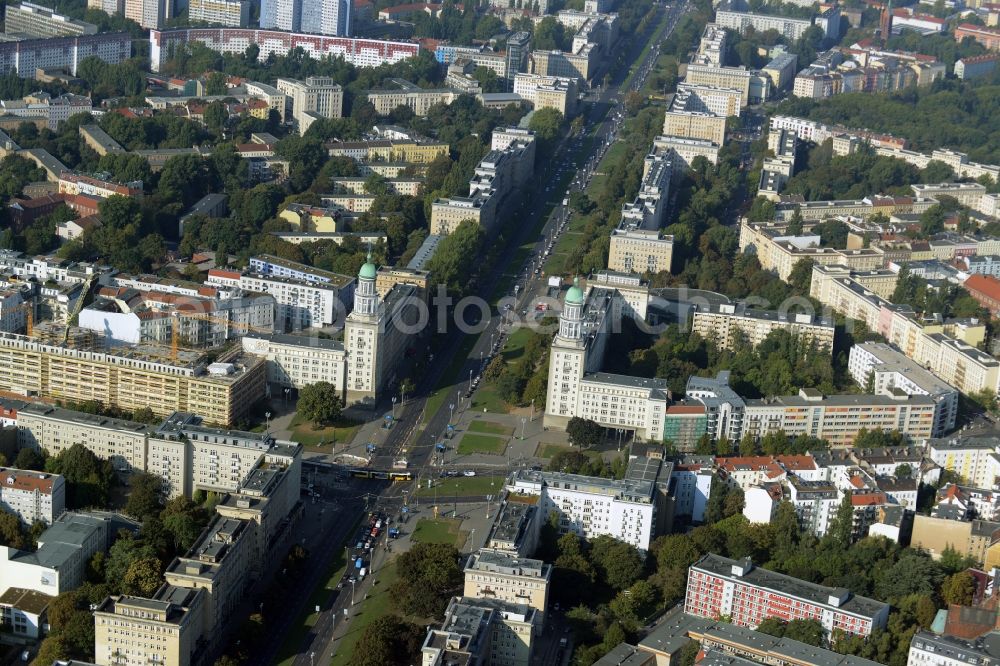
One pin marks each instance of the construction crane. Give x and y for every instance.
(77, 307)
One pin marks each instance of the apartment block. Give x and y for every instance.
(500, 175)
(713, 99)
(974, 460)
(937, 533)
(940, 649)
(404, 151)
(988, 37)
(149, 14)
(479, 631)
(885, 370)
(975, 67)
(316, 97)
(579, 64)
(59, 565)
(634, 250)
(548, 92)
(377, 334)
(815, 502)
(740, 22)
(129, 631)
(735, 78)
(684, 150)
(781, 70)
(107, 6)
(34, 497)
(38, 21)
(294, 361)
(229, 13)
(779, 253)
(496, 574)
(731, 326)
(719, 586)
(305, 296)
(725, 644)
(221, 392)
(419, 100)
(695, 125)
(635, 510)
(28, 55)
(358, 52)
(839, 418)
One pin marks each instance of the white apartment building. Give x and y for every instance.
(317, 95)
(630, 510)
(730, 325)
(930, 649)
(230, 13)
(974, 459)
(691, 486)
(64, 549)
(683, 150)
(34, 497)
(815, 502)
(720, 101)
(740, 22)
(294, 361)
(887, 369)
(555, 92)
(305, 296)
(13, 311)
(54, 429)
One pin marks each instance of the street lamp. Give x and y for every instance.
(352, 591)
(523, 421)
(451, 406)
(267, 421)
(470, 380)
(393, 408)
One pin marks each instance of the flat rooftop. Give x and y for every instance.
(787, 585)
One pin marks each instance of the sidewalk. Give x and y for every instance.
(518, 452)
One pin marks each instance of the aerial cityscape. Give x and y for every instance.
(513, 333)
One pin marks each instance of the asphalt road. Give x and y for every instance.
(607, 110)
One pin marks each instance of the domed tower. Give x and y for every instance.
(571, 319)
(366, 300)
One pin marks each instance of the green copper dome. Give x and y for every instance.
(574, 296)
(368, 270)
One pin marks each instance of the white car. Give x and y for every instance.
(469, 472)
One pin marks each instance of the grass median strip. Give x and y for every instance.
(491, 428)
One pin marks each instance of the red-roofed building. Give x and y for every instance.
(988, 37)
(986, 290)
(32, 496)
(23, 212)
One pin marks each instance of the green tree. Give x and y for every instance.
(11, 531)
(428, 575)
(88, 479)
(584, 433)
(618, 564)
(143, 577)
(145, 496)
(545, 123)
(390, 641)
(319, 403)
(958, 588)
(28, 458)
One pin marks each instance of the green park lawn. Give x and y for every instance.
(491, 428)
(475, 443)
(310, 437)
(440, 530)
